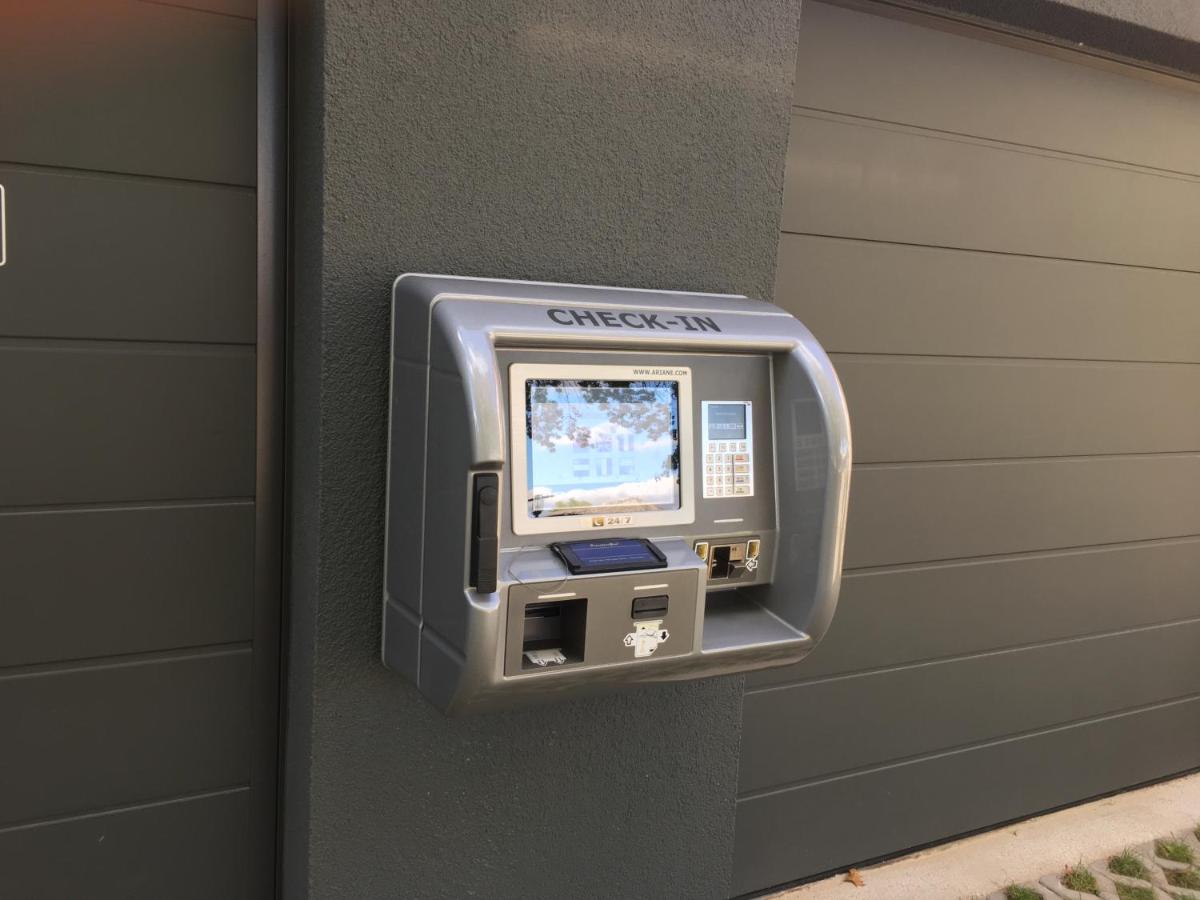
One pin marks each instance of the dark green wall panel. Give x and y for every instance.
(835, 823)
(131, 258)
(915, 513)
(989, 90)
(126, 86)
(95, 423)
(1008, 287)
(247, 9)
(862, 179)
(928, 408)
(889, 617)
(122, 733)
(192, 849)
(929, 707)
(873, 297)
(138, 518)
(99, 582)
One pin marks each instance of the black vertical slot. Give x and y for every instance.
(485, 543)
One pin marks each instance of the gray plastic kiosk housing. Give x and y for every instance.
(491, 379)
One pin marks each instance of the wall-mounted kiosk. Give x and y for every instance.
(595, 487)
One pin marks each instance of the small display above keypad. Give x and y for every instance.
(728, 448)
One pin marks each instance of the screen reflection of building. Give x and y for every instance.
(608, 456)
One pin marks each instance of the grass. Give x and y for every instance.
(1129, 892)
(1080, 879)
(1017, 892)
(1175, 851)
(1128, 865)
(1185, 878)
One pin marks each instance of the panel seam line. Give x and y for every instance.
(964, 657)
(1009, 738)
(124, 808)
(1040, 551)
(949, 247)
(123, 660)
(964, 137)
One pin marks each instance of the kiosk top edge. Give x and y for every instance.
(427, 288)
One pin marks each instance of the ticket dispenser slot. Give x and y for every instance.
(593, 488)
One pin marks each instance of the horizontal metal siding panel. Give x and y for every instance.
(120, 86)
(867, 297)
(915, 513)
(892, 617)
(102, 423)
(149, 259)
(194, 849)
(955, 83)
(920, 408)
(102, 582)
(918, 710)
(95, 737)
(855, 179)
(797, 833)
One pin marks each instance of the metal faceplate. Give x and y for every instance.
(544, 633)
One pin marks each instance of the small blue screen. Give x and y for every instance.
(610, 552)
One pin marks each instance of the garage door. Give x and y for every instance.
(1001, 249)
(137, 663)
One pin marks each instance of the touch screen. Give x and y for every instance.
(596, 448)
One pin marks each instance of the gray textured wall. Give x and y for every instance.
(625, 143)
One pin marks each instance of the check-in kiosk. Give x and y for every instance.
(591, 488)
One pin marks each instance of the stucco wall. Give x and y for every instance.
(622, 143)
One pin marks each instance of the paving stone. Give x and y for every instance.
(1101, 871)
(1107, 890)
(1158, 873)
(1189, 838)
(1033, 886)
(1164, 864)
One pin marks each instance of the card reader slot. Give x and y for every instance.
(485, 541)
(649, 607)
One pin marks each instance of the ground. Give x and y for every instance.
(1152, 828)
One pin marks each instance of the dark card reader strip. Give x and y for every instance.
(600, 555)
